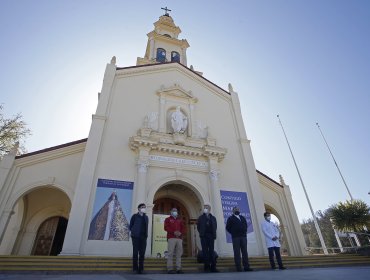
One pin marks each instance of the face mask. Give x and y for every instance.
(205, 211)
(142, 210)
(268, 218)
(237, 212)
(174, 214)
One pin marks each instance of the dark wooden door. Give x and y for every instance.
(50, 237)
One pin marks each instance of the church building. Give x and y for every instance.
(162, 135)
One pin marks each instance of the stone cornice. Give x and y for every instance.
(215, 151)
(136, 142)
(183, 43)
(163, 143)
(167, 23)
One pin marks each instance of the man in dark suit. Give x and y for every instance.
(207, 226)
(236, 225)
(139, 234)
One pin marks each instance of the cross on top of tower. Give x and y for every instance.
(167, 10)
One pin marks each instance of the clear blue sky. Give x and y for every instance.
(308, 61)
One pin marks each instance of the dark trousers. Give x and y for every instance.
(208, 245)
(277, 254)
(240, 244)
(138, 251)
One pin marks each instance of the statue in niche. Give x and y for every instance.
(151, 121)
(179, 121)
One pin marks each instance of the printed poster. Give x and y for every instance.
(230, 199)
(112, 211)
(159, 242)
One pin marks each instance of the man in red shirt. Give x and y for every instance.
(175, 231)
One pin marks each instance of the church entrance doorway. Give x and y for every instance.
(275, 218)
(185, 200)
(163, 206)
(50, 237)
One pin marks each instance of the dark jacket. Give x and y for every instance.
(136, 226)
(201, 225)
(236, 227)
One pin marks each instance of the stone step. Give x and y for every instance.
(117, 264)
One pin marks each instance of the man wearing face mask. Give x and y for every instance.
(237, 226)
(139, 234)
(271, 233)
(175, 231)
(207, 226)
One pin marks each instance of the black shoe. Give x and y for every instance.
(140, 272)
(238, 269)
(248, 269)
(282, 268)
(180, 271)
(215, 270)
(171, 272)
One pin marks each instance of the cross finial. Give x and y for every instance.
(167, 10)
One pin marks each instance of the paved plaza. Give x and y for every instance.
(335, 273)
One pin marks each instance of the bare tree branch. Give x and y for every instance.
(12, 130)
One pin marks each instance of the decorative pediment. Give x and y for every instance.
(176, 91)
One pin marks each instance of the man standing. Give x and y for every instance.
(139, 234)
(207, 226)
(175, 231)
(272, 235)
(236, 225)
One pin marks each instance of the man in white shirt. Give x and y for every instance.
(272, 234)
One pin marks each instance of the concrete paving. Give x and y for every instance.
(335, 273)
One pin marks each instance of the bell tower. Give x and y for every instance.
(163, 43)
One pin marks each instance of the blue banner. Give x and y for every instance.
(106, 183)
(230, 199)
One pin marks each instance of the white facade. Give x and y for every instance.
(132, 139)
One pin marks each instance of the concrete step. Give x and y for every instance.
(67, 264)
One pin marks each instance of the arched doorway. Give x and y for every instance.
(31, 210)
(163, 206)
(180, 196)
(50, 237)
(275, 218)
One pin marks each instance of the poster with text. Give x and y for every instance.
(112, 210)
(159, 243)
(230, 199)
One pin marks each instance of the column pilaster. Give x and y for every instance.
(149, 212)
(142, 170)
(162, 114)
(214, 174)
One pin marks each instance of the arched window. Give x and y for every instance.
(161, 55)
(175, 57)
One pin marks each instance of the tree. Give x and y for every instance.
(310, 233)
(350, 216)
(12, 130)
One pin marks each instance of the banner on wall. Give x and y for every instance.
(159, 242)
(230, 199)
(112, 209)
